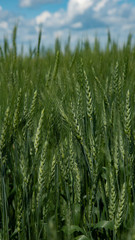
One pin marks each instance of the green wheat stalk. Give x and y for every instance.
(120, 210)
(127, 117)
(38, 132)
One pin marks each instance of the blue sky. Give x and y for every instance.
(80, 18)
(15, 7)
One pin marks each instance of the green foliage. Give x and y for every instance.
(67, 142)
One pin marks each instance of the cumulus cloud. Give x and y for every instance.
(26, 29)
(100, 5)
(85, 16)
(81, 18)
(78, 7)
(25, 3)
(43, 17)
(5, 20)
(77, 25)
(3, 25)
(30, 3)
(79, 14)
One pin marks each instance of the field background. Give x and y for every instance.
(67, 141)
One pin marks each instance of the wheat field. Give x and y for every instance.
(67, 141)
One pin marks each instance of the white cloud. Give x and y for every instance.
(58, 34)
(112, 11)
(52, 20)
(42, 18)
(128, 27)
(82, 19)
(77, 7)
(77, 25)
(66, 18)
(3, 25)
(30, 3)
(25, 3)
(100, 5)
(0, 8)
